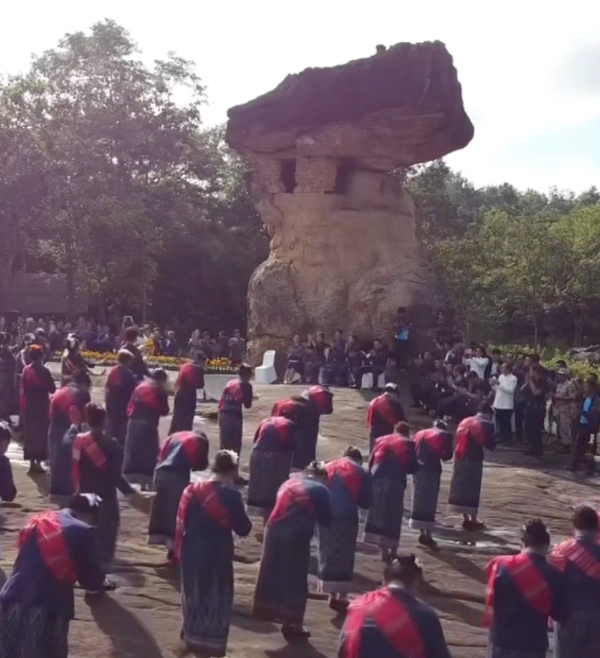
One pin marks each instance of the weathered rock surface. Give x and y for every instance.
(141, 618)
(344, 251)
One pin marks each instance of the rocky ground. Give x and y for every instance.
(141, 618)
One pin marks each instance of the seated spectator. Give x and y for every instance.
(336, 369)
(316, 359)
(376, 362)
(170, 345)
(294, 368)
(105, 341)
(237, 348)
(222, 345)
(355, 358)
(207, 345)
(477, 362)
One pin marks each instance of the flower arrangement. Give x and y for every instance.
(221, 366)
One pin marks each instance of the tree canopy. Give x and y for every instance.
(511, 265)
(110, 178)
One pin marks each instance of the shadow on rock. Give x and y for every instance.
(129, 572)
(170, 574)
(462, 565)
(128, 636)
(241, 617)
(451, 606)
(295, 650)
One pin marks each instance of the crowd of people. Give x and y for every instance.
(94, 337)
(92, 452)
(529, 401)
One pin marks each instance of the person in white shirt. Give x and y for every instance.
(504, 401)
(478, 363)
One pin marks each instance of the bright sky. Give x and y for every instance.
(529, 69)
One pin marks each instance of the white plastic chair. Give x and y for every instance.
(367, 381)
(266, 374)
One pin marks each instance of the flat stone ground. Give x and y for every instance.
(141, 618)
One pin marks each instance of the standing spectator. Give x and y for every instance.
(8, 367)
(589, 422)
(237, 348)
(504, 401)
(534, 392)
(564, 403)
(171, 346)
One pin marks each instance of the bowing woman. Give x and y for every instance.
(67, 407)
(208, 515)
(37, 385)
(56, 549)
(392, 461)
(579, 560)
(96, 469)
(120, 384)
(148, 403)
(282, 586)
(472, 436)
(384, 412)
(433, 446)
(350, 488)
(391, 622)
(523, 592)
(319, 402)
(189, 379)
(180, 454)
(236, 394)
(270, 461)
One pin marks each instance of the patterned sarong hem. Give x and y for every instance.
(421, 525)
(461, 509)
(336, 587)
(161, 540)
(144, 481)
(209, 646)
(380, 540)
(494, 651)
(258, 511)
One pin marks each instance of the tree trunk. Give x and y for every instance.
(70, 277)
(536, 329)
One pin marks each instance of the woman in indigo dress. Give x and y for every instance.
(148, 403)
(37, 385)
(120, 384)
(282, 586)
(180, 454)
(208, 515)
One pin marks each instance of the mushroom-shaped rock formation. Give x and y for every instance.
(344, 249)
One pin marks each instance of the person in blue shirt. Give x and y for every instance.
(589, 422)
(56, 550)
(8, 491)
